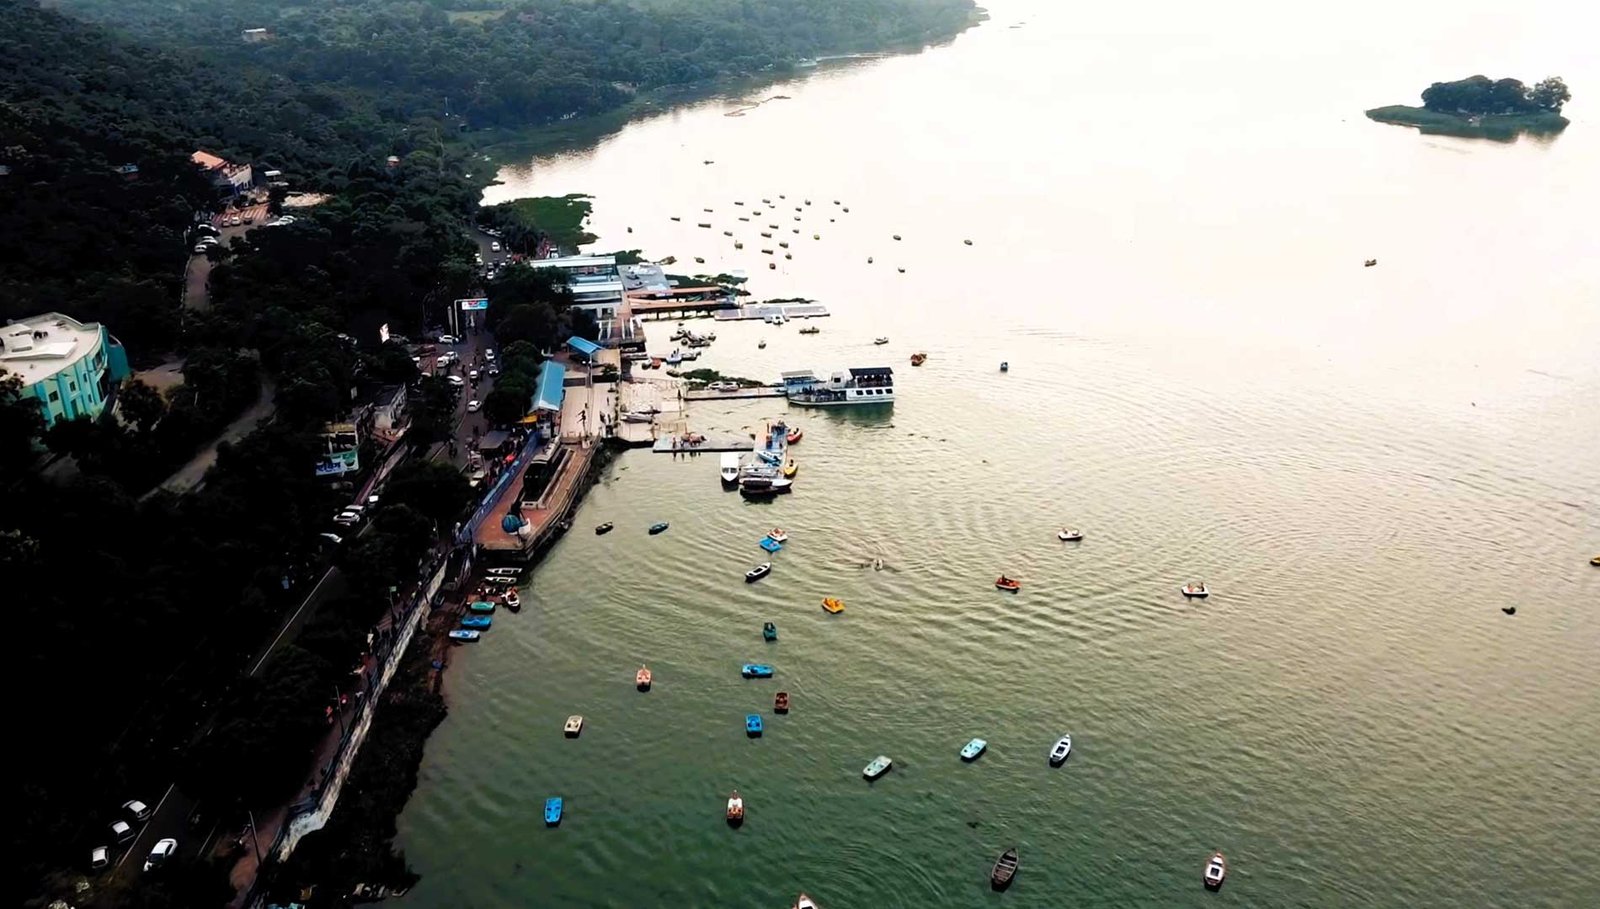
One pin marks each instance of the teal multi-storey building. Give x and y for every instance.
(71, 367)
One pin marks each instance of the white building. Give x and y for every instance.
(595, 284)
(70, 367)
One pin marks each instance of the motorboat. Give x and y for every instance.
(1195, 590)
(758, 572)
(769, 631)
(1216, 871)
(463, 635)
(1369, 263)
(917, 359)
(481, 606)
(761, 344)
(1595, 561)
(971, 750)
(1060, 750)
(1509, 610)
(573, 726)
(504, 572)
(729, 469)
(1005, 366)
(968, 242)
(794, 435)
(761, 486)
(641, 679)
(512, 599)
(735, 809)
(897, 236)
(658, 528)
(674, 358)
(1005, 870)
(502, 580)
(603, 529)
(1005, 583)
(879, 766)
(833, 604)
(752, 725)
(756, 671)
(553, 808)
(780, 702)
(811, 330)
(1069, 535)
(804, 902)
(777, 535)
(770, 544)
(479, 622)
(880, 340)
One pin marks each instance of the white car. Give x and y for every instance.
(139, 810)
(161, 853)
(122, 831)
(494, 246)
(457, 381)
(347, 519)
(473, 405)
(488, 354)
(449, 339)
(99, 858)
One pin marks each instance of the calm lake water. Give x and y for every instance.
(1169, 206)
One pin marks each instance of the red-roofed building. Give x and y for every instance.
(224, 174)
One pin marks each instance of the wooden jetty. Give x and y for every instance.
(706, 394)
(712, 441)
(762, 310)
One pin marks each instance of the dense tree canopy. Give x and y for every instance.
(1479, 95)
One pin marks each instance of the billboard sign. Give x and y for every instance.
(477, 304)
(339, 463)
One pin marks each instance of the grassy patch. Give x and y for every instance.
(561, 217)
(706, 376)
(1503, 127)
(474, 16)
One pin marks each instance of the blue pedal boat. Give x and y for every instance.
(770, 545)
(752, 725)
(461, 635)
(482, 606)
(756, 671)
(476, 621)
(971, 750)
(552, 812)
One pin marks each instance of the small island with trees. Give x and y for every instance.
(1480, 107)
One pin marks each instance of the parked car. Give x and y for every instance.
(473, 405)
(494, 370)
(472, 375)
(139, 810)
(162, 852)
(99, 858)
(488, 354)
(332, 539)
(449, 339)
(235, 221)
(122, 831)
(200, 248)
(494, 246)
(457, 381)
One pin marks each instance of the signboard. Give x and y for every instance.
(339, 463)
(473, 305)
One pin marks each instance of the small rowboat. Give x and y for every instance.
(1216, 871)
(1005, 583)
(479, 622)
(1005, 869)
(833, 604)
(879, 766)
(769, 631)
(971, 750)
(658, 528)
(1005, 367)
(777, 535)
(752, 725)
(641, 679)
(553, 808)
(880, 340)
(917, 359)
(512, 600)
(1060, 750)
(758, 572)
(756, 671)
(804, 902)
(482, 606)
(573, 726)
(780, 702)
(1595, 561)
(603, 529)
(796, 434)
(463, 636)
(735, 809)
(769, 544)
(1069, 535)
(1195, 590)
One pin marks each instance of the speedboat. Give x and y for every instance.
(880, 341)
(879, 766)
(603, 529)
(1195, 590)
(804, 902)
(794, 435)
(777, 535)
(1216, 871)
(729, 470)
(481, 606)
(1060, 750)
(762, 344)
(552, 811)
(1005, 583)
(573, 726)
(756, 671)
(502, 580)
(758, 572)
(463, 635)
(512, 600)
(1069, 535)
(641, 679)
(833, 604)
(674, 358)
(504, 572)
(1005, 868)
(780, 702)
(735, 809)
(479, 622)
(657, 528)
(971, 750)
(769, 631)
(752, 725)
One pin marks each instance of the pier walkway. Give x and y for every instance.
(742, 394)
(762, 310)
(713, 441)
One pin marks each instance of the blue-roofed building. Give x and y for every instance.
(583, 347)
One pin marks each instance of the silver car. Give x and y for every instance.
(161, 853)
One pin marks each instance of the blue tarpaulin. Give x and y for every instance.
(587, 348)
(552, 376)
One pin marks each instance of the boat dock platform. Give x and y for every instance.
(547, 516)
(714, 441)
(705, 394)
(762, 310)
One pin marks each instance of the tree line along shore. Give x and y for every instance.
(1480, 107)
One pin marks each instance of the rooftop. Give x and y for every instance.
(576, 262)
(38, 347)
(209, 161)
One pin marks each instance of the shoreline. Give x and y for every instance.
(1498, 127)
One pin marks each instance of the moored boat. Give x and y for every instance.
(464, 635)
(971, 750)
(756, 671)
(758, 572)
(769, 544)
(758, 486)
(794, 435)
(1216, 871)
(1005, 583)
(658, 528)
(769, 631)
(602, 529)
(512, 599)
(790, 468)
(504, 572)
(752, 725)
(833, 604)
(1060, 750)
(1595, 561)
(1069, 534)
(917, 359)
(481, 606)
(480, 622)
(553, 809)
(860, 385)
(1195, 590)
(573, 726)
(735, 812)
(502, 580)
(811, 330)
(1005, 869)
(780, 702)
(641, 679)
(777, 535)
(729, 469)
(879, 766)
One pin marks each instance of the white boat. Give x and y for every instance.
(763, 484)
(505, 572)
(880, 341)
(1195, 590)
(1060, 750)
(804, 902)
(863, 385)
(674, 358)
(635, 417)
(879, 766)
(573, 726)
(1069, 535)
(730, 468)
(1216, 871)
(778, 536)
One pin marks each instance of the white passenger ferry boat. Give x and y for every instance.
(862, 385)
